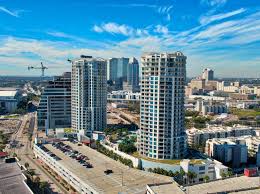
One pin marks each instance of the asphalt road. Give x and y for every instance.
(25, 152)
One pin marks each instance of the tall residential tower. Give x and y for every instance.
(162, 134)
(88, 94)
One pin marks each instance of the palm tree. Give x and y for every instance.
(43, 185)
(37, 180)
(26, 165)
(31, 173)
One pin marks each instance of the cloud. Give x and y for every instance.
(122, 29)
(216, 41)
(12, 13)
(213, 3)
(161, 29)
(114, 28)
(165, 10)
(212, 18)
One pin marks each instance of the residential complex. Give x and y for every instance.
(200, 136)
(227, 151)
(88, 95)
(54, 110)
(162, 134)
(235, 150)
(210, 107)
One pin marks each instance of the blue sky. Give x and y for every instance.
(221, 34)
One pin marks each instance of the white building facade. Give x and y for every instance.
(162, 134)
(88, 95)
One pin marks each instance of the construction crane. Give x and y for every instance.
(42, 67)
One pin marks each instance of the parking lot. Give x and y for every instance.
(120, 178)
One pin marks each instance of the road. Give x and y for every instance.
(23, 149)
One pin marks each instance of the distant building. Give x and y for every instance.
(117, 71)
(198, 83)
(121, 96)
(238, 96)
(162, 132)
(257, 90)
(132, 83)
(227, 150)
(54, 109)
(200, 136)
(9, 99)
(88, 95)
(208, 74)
(210, 107)
(228, 87)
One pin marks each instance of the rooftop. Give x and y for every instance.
(237, 185)
(230, 184)
(12, 179)
(8, 93)
(134, 181)
(217, 128)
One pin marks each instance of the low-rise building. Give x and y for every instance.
(228, 151)
(210, 168)
(234, 149)
(200, 136)
(238, 96)
(257, 90)
(210, 107)
(9, 99)
(122, 95)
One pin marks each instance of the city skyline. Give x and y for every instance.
(219, 34)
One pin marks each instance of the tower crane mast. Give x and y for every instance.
(42, 68)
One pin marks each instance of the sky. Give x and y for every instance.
(220, 34)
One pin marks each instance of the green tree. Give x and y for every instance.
(206, 178)
(223, 174)
(43, 185)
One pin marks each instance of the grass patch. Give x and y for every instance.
(171, 162)
(245, 113)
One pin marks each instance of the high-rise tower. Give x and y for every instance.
(162, 133)
(88, 94)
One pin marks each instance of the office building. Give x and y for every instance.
(162, 133)
(132, 83)
(117, 71)
(54, 109)
(88, 95)
(208, 74)
(200, 136)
